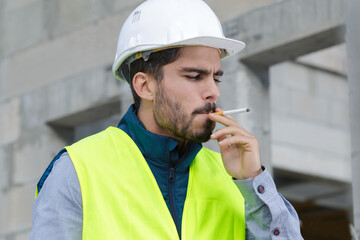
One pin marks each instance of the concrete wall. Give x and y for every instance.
(310, 115)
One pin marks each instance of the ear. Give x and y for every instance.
(144, 86)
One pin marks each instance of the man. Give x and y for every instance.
(150, 178)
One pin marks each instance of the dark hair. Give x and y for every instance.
(152, 66)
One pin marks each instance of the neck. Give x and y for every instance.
(183, 146)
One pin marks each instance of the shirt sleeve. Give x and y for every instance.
(57, 210)
(268, 214)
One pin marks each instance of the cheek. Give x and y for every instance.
(188, 103)
(182, 95)
(186, 92)
(183, 92)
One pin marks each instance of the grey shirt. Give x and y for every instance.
(57, 211)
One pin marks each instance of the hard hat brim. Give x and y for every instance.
(231, 46)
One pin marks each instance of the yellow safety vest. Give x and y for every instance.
(121, 199)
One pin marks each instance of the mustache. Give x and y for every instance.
(207, 108)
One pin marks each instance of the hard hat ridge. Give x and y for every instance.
(160, 24)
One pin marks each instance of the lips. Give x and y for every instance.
(203, 113)
(208, 108)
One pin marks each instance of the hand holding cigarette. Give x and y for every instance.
(239, 148)
(228, 112)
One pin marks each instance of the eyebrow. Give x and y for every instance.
(202, 71)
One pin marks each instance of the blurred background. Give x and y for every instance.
(56, 87)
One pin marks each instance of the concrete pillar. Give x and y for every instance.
(253, 91)
(353, 42)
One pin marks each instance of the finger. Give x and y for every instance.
(224, 120)
(232, 120)
(221, 138)
(247, 143)
(235, 124)
(230, 131)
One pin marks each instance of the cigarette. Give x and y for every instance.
(228, 112)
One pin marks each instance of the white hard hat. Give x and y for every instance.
(161, 24)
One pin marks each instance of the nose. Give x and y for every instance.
(211, 90)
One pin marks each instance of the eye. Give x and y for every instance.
(217, 80)
(196, 77)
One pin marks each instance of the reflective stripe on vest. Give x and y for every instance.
(121, 199)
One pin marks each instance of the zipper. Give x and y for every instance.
(171, 179)
(171, 197)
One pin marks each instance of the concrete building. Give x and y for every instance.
(56, 87)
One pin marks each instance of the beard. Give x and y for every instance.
(170, 115)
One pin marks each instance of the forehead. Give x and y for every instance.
(199, 56)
